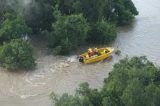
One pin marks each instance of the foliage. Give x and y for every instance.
(133, 82)
(128, 81)
(17, 55)
(13, 27)
(45, 16)
(101, 15)
(69, 32)
(65, 100)
(102, 32)
(117, 11)
(84, 97)
(39, 15)
(36, 13)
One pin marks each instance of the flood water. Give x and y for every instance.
(63, 74)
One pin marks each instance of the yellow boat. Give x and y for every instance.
(102, 53)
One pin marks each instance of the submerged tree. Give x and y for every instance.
(68, 33)
(101, 32)
(17, 55)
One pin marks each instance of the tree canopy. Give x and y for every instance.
(41, 16)
(17, 55)
(66, 24)
(117, 11)
(101, 32)
(133, 82)
(68, 33)
(102, 16)
(13, 27)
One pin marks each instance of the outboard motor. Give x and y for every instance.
(81, 59)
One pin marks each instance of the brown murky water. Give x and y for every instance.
(63, 74)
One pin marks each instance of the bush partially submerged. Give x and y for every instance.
(118, 52)
(17, 55)
(68, 33)
(101, 32)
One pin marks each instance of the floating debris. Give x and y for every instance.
(118, 52)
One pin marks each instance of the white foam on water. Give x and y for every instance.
(39, 76)
(72, 59)
(27, 96)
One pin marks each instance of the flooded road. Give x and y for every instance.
(63, 74)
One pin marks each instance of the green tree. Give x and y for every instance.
(36, 13)
(133, 95)
(17, 55)
(13, 27)
(69, 32)
(84, 97)
(128, 80)
(91, 9)
(39, 15)
(65, 100)
(102, 32)
(117, 11)
(152, 95)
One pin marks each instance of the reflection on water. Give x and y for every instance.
(63, 74)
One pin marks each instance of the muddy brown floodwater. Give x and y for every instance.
(63, 74)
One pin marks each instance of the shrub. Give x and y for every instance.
(17, 55)
(112, 10)
(13, 27)
(69, 32)
(101, 32)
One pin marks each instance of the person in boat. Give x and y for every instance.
(95, 51)
(92, 52)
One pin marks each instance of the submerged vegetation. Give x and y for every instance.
(68, 33)
(101, 17)
(133, 82)
(17, 54)
(67, 24)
